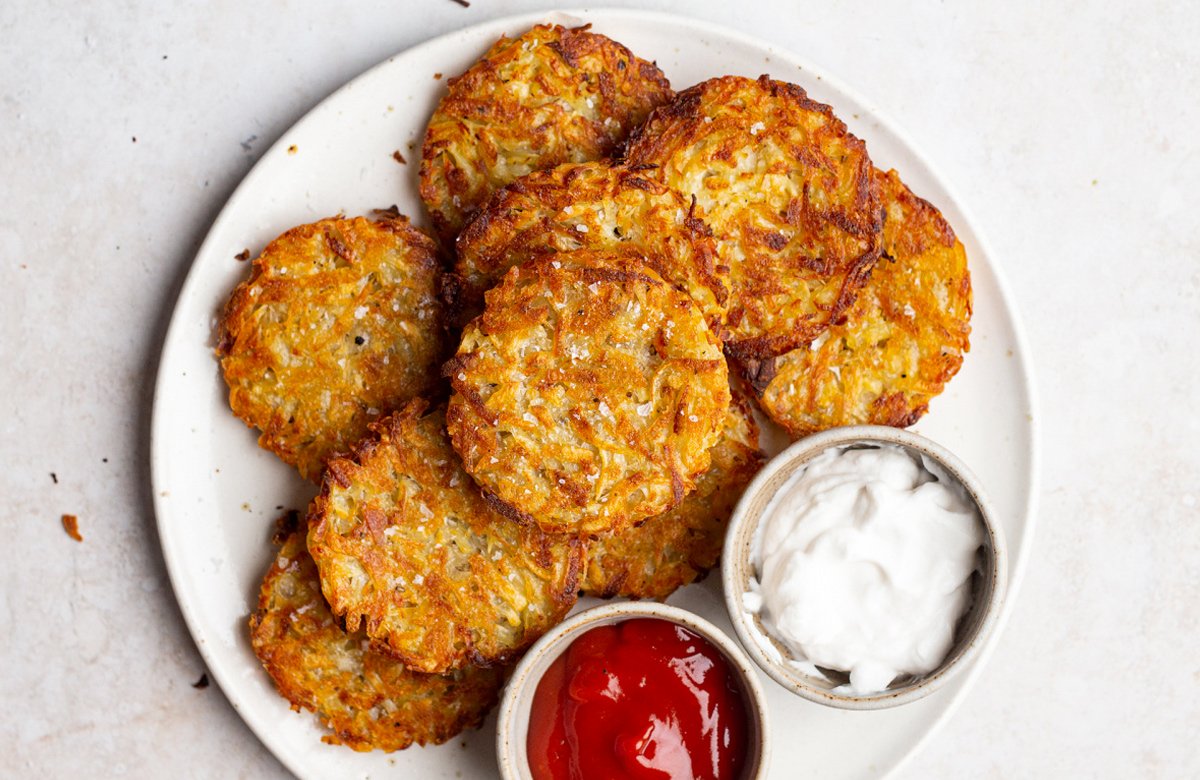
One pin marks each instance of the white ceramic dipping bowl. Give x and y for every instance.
(513, 725)
(988, 582)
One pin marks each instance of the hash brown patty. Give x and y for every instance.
(410, 552)
(339, 323)
(588, 393)
(788, 192)
(902, 341)
(368, 700)
(594, 205)
(549, 96)
(680, 546)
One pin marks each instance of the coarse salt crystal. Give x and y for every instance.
(360, 312)
(645, 409)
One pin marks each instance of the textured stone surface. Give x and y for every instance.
(1069, 130)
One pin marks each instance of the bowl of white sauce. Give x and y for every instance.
(862, 567)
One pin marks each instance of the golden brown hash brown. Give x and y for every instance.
(594, 205)
(368, 700)
(339, 323)
(588, 393)
(901, 342)
(787, 191)
(678, 547)
(409, 551)
(550, 96)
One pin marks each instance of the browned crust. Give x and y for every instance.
(410, 552)
(800, 244)
(586, 92)
(900, 343)
(367, 700)
(339, 323)
(587, 394)
(596, 205)
(678, 547)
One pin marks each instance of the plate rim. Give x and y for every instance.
(1018, 563)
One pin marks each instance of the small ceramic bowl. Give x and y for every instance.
(513, 726)
(988, 582)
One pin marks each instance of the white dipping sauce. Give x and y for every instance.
(864, 559)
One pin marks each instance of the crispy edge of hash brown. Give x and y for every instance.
(788, 191)
(678, 547)
(339, 323)
(901, 342)
(593, 205)
(549, 96)
(588, 393)
(410, 552)
(368, 700)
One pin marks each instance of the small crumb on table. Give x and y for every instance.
(71, 526)
(202, 683)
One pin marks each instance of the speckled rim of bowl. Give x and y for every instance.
(513, 722)
(736, 570)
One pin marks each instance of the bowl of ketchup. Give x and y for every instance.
(633, 690)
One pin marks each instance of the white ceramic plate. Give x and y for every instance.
(217, 493)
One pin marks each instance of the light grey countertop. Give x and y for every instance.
(1069, 130)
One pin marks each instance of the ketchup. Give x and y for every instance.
(644, 698)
